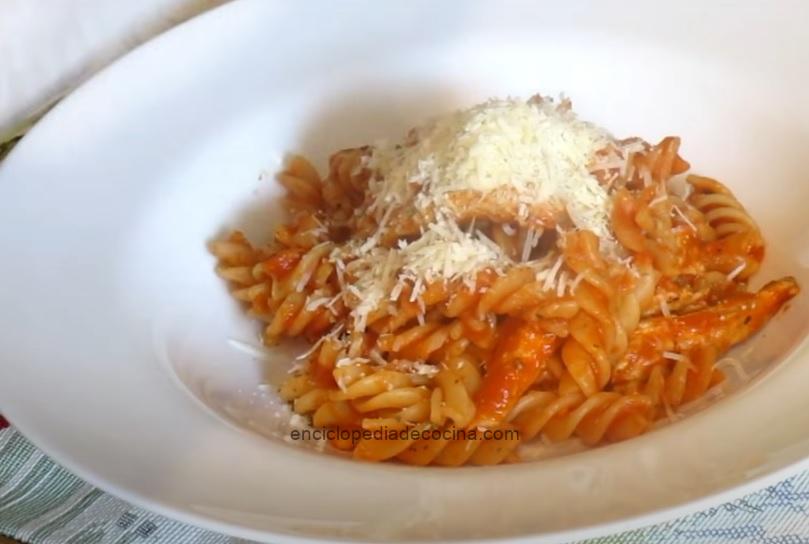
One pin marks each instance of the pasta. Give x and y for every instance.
(505, 273)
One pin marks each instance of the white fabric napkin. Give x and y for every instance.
(48, 47)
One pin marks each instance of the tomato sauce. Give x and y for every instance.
(519, 357)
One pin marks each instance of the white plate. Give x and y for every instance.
(108, 293)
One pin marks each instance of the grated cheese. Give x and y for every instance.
(664, 307)
(576, 281)
(417, 368)
(313, 255)
(340, 383)
(348, 361)
(335, 332)
(550, 278)
(332, 302)
(680, 358)
(316, 302)
(311, 350)
(422, 310)
(373, 240)
(537, 148)
(354, 291)
(396, 291)
(522, 211)
(646, 176)
(736, 271)
(685, 218)
(418, 289)
(674, 356)
(561, 285)
(376, 357)
(531, 241)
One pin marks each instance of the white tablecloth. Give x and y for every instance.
(47, 47)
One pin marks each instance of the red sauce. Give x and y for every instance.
(519, 357)
(323, 376)
(483, 337)
(757, 253)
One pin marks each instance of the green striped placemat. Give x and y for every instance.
(43, 503)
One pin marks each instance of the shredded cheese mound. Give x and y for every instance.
(538, 148)
(536, 153)
(445, 252)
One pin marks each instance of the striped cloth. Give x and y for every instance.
(43, 503)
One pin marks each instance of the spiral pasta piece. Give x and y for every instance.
(304, 393)
(584, 356)
(604, 416)
(302, 182)
(738, 247)
(420, 342)
(302, 295)
(446, 438)
(474, 449)
(344, 187)
(240, 264)
(723, 212)
(599, 330)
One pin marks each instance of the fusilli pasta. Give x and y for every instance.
(504, 273)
